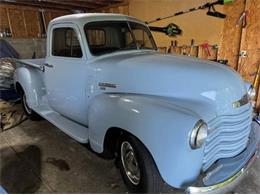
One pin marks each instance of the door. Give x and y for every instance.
(67, 78)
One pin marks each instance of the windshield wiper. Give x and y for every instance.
(133, 36)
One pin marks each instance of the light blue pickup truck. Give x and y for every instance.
(170, 121)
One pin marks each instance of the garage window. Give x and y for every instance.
(65, 43)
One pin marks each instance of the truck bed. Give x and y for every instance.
(36, 63)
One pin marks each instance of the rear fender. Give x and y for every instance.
(31, 80)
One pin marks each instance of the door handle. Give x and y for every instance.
(48, 65)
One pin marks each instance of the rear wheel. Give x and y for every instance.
(28, 111)
(137, 167)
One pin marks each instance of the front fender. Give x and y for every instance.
(163, 127)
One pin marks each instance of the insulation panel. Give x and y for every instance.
(17, 23)
(32, 23)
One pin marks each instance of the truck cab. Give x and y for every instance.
(79, 43)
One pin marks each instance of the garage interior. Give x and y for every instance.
(36, 157)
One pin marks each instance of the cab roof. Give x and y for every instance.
(84, 18)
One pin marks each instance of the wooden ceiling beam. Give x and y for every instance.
(90, 2)
(70, 4)
(97, 3)
(83, 5)
(122, 3)
(39, 5)
(94, 4)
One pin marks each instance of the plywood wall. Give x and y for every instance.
(23, 21)
(236, 39)
(230, 44)
(250, 43)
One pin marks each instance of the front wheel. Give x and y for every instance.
(137, 167)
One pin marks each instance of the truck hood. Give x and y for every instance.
(201, 86)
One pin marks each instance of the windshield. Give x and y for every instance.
(112, 36)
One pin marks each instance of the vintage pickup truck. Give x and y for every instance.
(170, 121)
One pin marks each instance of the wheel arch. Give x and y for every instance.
(29, 81)
(111, 140)
(19, 89)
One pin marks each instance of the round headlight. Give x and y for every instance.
(251, 92)
(199, 134)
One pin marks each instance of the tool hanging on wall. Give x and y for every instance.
(209, 6)
(212, 12)
(173, 47)
(256, 82)
(205, 46)
(191, 47)
(171, 30)
(243, 19)
(184, 50)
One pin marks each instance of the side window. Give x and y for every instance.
(65, 43)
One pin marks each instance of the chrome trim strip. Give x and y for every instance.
(243, 101)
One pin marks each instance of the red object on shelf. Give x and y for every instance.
(206, 47)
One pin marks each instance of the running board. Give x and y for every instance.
(71, 128)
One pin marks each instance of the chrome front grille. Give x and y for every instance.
(228, 136)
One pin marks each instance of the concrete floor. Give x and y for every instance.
(36, 157)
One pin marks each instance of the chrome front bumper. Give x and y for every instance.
(229, 184)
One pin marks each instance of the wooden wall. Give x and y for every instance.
(236, 39)
(196, 25)
(122, 8)
(25, 22)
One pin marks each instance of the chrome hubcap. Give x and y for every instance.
(130, 163)
(28, 110)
